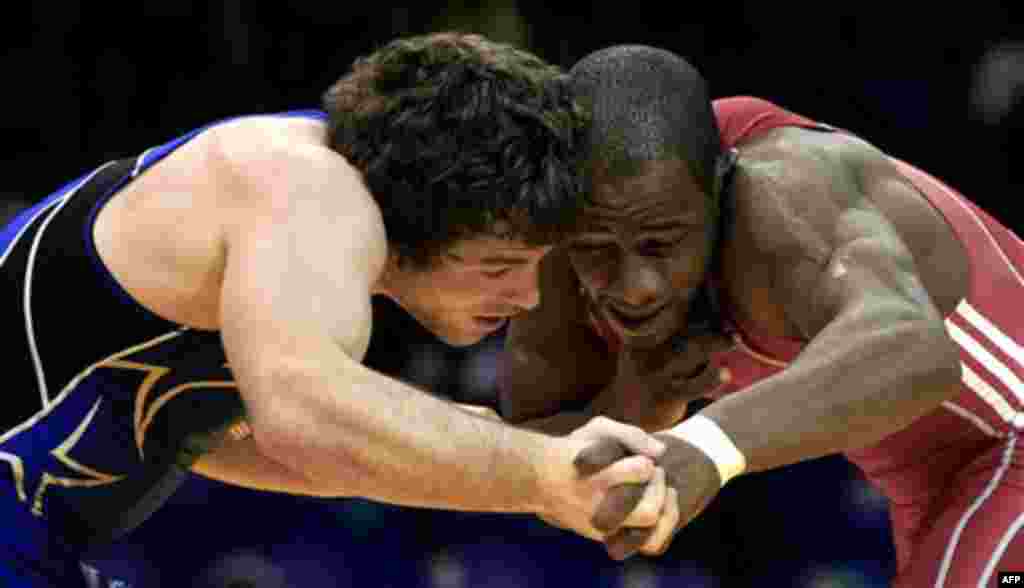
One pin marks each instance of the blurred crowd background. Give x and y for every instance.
(940, 87)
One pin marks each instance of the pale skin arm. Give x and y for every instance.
(303, 252)
(241, 463)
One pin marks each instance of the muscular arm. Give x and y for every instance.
(878, 356)
(304, 248)
(242, 463)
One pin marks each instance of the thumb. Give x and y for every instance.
(600, 455)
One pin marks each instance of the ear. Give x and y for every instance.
(389, 275)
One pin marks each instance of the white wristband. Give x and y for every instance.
(705, 434)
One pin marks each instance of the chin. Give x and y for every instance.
(449, 332)
(648, 341)
(455, 338)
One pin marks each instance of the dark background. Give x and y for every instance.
(86, 82)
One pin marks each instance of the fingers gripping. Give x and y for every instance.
(628, 542)
(600, 455)
(619, 502)
(651, 505)
(650, 540)
(633, 439)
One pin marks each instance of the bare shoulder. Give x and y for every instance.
(800, 192)
(272, 168)
(795, 172)
(304, 242)
(255, 152)
(794, 184)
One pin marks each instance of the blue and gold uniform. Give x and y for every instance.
(106, 405)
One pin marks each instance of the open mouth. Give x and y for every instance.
(631, 322)
(491, 322)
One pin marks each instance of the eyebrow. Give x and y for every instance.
(669, 223)
(656, 224)
(493, 260)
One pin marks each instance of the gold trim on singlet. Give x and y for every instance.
(144, 414)
(16, 464)
(92, 477)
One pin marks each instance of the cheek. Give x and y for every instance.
(441, 291)
(687, 271)
(467, 290)
(593, 275)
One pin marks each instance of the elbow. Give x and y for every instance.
(949, 366)
(941, 358)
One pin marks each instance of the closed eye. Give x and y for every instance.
(662, 244)
(496, 273)
(588, 246)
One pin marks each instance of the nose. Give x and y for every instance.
(639, 282)
(524, 291)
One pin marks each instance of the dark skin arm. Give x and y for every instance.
(878, 355)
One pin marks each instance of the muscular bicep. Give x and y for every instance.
(829, 246)
(300, 262)
(552, 360)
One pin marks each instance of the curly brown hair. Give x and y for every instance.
(454, 133)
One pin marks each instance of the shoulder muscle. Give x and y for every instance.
(305, 242)
(810, 207)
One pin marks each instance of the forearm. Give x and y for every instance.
(860, 380)
(241, 463)
(359, 433)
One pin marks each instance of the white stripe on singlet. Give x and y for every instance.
(1004, 543)
(140, 161)
(989, 394)
(24, 227)
(954, 539)
(1001, 340)
(968, 312)
(37, 362)
(992, 364)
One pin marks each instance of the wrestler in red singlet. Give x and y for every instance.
(955, 478)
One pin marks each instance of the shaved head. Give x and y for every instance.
(647, 104)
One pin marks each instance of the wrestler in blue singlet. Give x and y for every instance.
(106, 405)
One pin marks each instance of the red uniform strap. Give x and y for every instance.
(741, 118)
